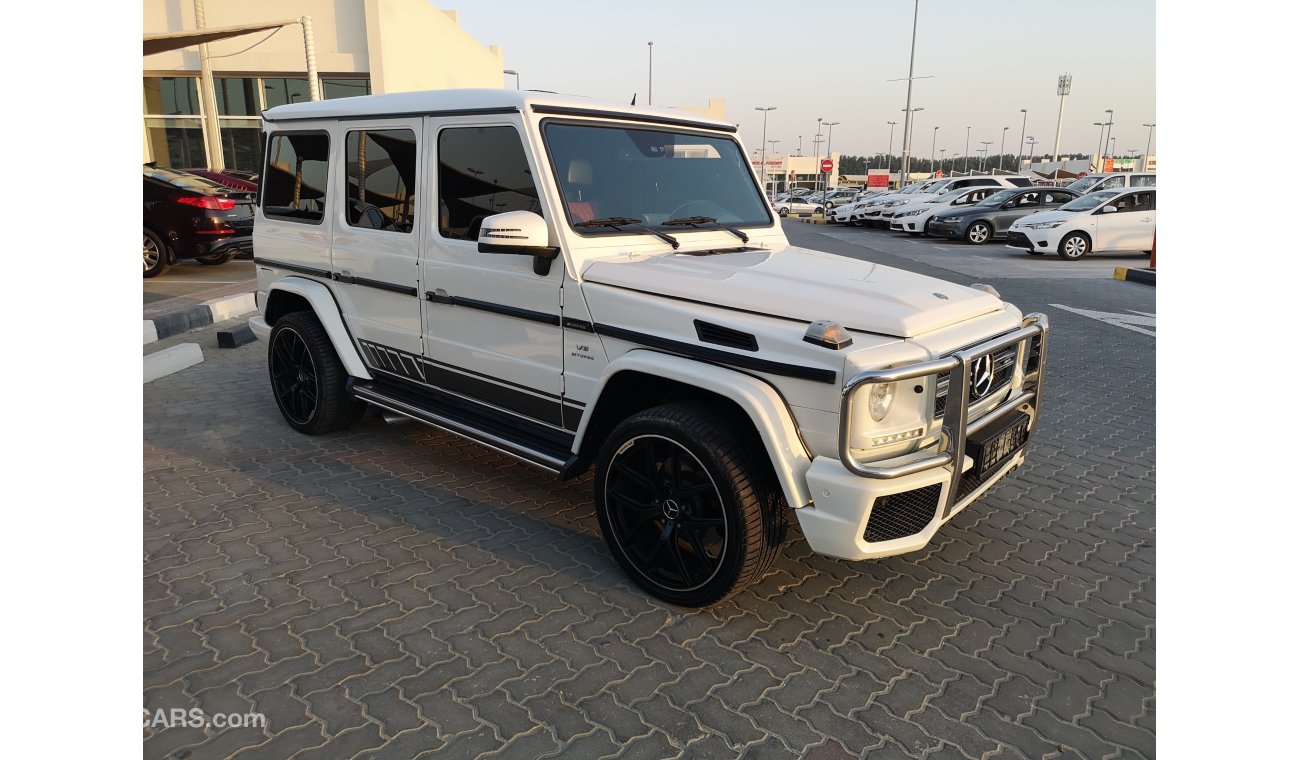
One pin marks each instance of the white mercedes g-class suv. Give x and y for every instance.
(578, 284)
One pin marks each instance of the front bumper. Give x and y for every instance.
(1021, 239)
(904, 224)
(886, 508)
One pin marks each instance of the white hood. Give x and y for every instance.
(802, 284)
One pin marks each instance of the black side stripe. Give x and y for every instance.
(815, 374)
(624, 116)
(406, 290)
(495, 308)
(325, 273)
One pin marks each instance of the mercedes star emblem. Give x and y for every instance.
(981, 376)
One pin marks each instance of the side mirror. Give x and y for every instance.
(1108, 209)
(522, 233)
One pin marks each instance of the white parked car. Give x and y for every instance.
(581, 285)
(1113, 181)
(797, 206)
(914, 218)
(1108, 220)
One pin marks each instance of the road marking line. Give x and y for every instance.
(1126, 321)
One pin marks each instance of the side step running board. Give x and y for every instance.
(451, 421)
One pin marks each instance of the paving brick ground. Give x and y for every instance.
(393, 591)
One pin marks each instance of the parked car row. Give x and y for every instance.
(191, 217)
(1103, 212)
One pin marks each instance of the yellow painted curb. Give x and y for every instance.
(1121, 273)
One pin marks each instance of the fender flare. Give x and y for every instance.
(761, 402)
(327, 311)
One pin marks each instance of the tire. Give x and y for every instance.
(688, 508)
(215, 259)
(307, 378)
(1074, 246)
(155, 255)
(979, 232)
(782, 212)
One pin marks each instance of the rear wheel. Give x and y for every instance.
(979, 233)
(155, 254)
(1074, 246)
(689, 510)
(213, 259)
(307, 378)
(782, 211)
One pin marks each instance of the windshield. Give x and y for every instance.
(1086, 202)
(998, 198)
(652, 176)
(1079, 185)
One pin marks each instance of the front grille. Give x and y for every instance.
(1004, 362)
(902, 514)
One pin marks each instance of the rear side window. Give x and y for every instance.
(481, 171)
(1020, 181)
(294, 183)
(1144, 180)
(381, 179)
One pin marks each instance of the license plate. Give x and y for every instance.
(998, 442)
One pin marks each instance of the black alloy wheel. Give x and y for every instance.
(691, 514)
(307, 378)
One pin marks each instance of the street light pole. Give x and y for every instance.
(1110, 119)
(933, 141)
(650, 84)
(799, 150)
(1062, 89)
(1100, 136)
(907, 131)
(986, 144)
(1032, 142)
(890, 156)
(516, 76)
(817, 141)
(965, 159)
(830, 127)
(1146, 157)
(1020, 155)
(910, 122)
(763, 160)
(1003, 150)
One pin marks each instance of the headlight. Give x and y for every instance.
(911, 213)
(1044, 225)
(882, 397)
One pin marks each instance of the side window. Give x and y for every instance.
(381, 179)
(1142, 202)
(481, 171)
(1123, 203)
(294, 181)
(1056, 199)
(1112, 183)
(1026, 200)
(1144, 180)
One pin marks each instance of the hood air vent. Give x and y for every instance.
(725, 336)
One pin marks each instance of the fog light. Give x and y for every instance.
(886, 440)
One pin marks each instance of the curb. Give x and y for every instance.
(1144, 276)
(169, 360)
(199, 315)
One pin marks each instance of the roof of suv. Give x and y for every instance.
(477, 101)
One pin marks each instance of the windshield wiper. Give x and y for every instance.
(698, 221)
(622, 221)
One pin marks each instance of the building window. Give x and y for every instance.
(281, 91)
(237, 97)
(344, 88)
(381, 179)
(481, 171)
(294, 182)
(240, 143)
(172, 124)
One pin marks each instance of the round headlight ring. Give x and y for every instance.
(881, 398)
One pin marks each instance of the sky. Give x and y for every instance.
(988, 60)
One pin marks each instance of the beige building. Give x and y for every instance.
(360, 47)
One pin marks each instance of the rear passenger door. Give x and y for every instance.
(377, 236)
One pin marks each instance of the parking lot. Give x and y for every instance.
(394, 591)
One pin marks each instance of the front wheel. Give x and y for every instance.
(1074, 246)
(782, 212)
(979, 233)
(307, 378)
(688, 508)
(155, 254)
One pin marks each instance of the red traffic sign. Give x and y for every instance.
(1082, 175)
(827, 166)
